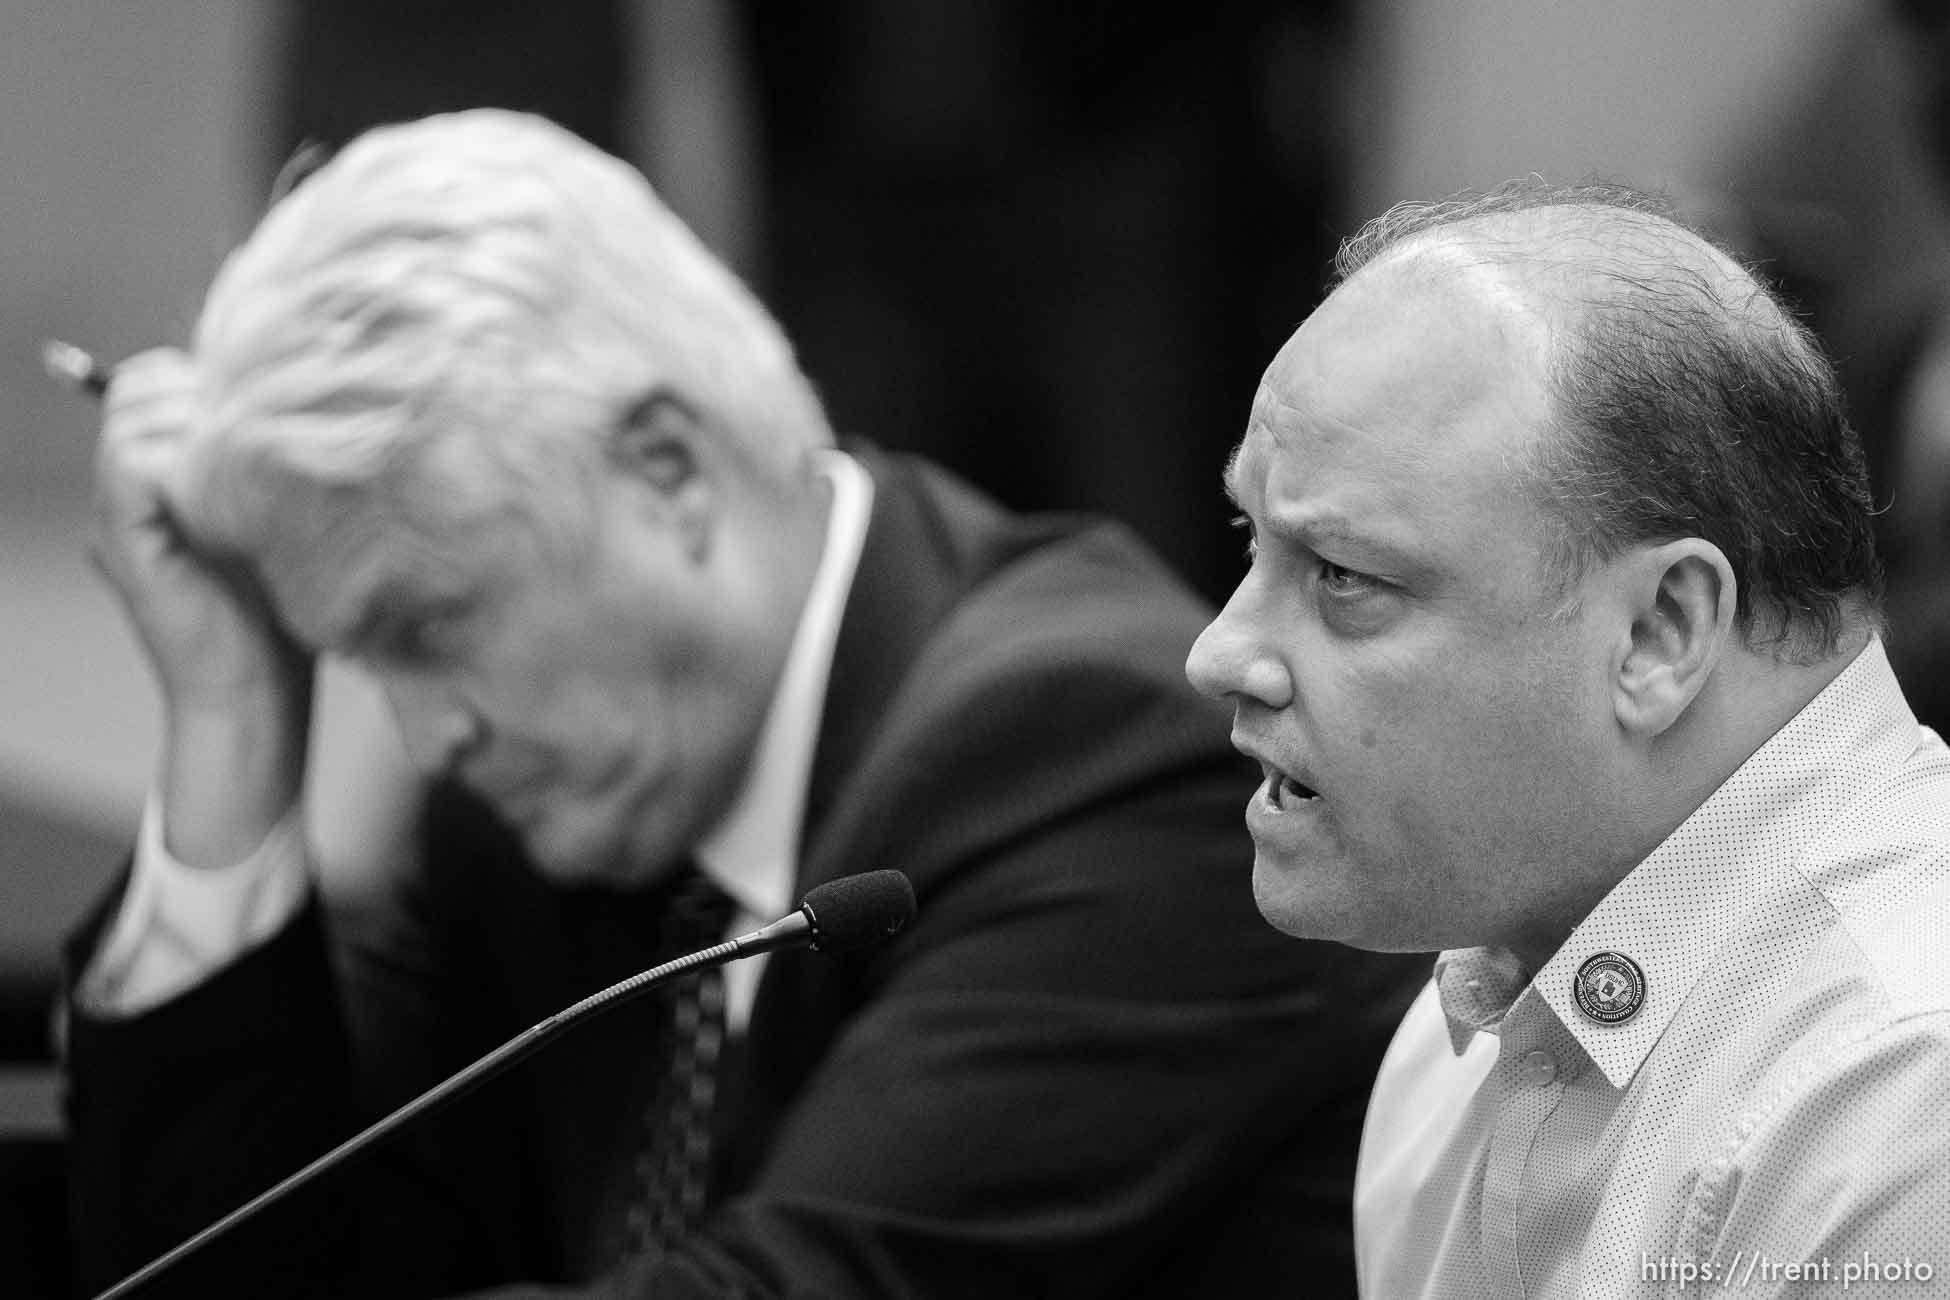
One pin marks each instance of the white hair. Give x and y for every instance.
(446, 320)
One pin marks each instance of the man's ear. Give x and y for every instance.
(656, 446)
(1682, 598)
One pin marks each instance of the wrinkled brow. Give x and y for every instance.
(1229, 479)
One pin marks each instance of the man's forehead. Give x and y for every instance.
(1390, 410)
(1246, 466)
(337, 598)
(1411, 345)
(1288, 481)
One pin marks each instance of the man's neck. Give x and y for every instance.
(1751, 697)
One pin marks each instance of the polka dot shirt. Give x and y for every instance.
(1733, 1077)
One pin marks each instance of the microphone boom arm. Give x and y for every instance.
(789, 931)
(842, 914)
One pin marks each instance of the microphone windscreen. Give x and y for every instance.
(859, 911)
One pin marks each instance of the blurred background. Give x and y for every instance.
(1052, 245)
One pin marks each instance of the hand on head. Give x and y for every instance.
(236, 686)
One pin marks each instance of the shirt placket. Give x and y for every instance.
(1529, 1078)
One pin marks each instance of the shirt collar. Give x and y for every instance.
(1476, 987)
(1674, 911)
(753, 853)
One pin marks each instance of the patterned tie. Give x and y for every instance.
(674, 1168)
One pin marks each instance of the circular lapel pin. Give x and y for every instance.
(1610, 988)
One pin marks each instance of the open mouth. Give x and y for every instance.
(1282, 793)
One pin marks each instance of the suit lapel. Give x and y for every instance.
(928, 540)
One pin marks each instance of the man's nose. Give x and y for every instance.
(1236, 655)
(437, 723)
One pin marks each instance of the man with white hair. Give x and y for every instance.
(1561, 651)
(473, 410)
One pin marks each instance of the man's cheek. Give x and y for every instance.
(1385, 697)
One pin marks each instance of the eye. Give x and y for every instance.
(420, 640)
(1345, 582)
(1245, 525)
(423, 640)
(1353, 603)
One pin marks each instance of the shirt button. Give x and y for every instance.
(1539, 1068)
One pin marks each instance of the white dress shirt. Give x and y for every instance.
(178, 925)
(1774, 1116)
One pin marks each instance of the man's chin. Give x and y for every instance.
(1304, 901)
(569, 855)
(594, 857)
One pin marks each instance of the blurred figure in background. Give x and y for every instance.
(1842, 191)
(347, 65)
(1048, 244)
(1044, 245)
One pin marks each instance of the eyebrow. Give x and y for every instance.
(373, 619)
(1313, 529)
(392, 604)
(1316, 527)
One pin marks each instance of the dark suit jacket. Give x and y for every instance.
(1086, 1068)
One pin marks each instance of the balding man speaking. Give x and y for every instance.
(1561, 651)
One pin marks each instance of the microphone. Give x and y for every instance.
(842, 915)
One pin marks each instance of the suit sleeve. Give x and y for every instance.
(180, 1114)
